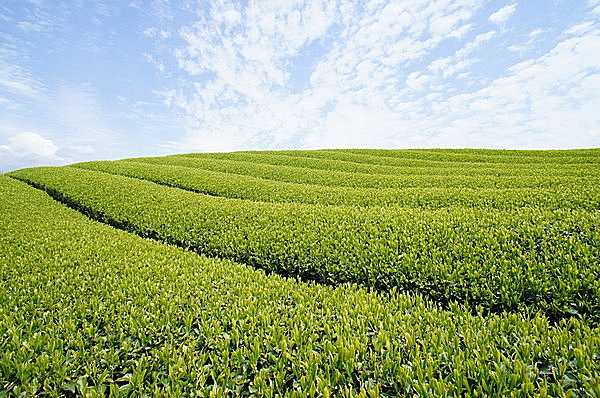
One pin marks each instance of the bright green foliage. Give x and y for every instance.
(331, 160)
(578, 156)
(586, 161)
(90, 310)
(351, 162)
(241, 186)
(519, 260)
(372, 180)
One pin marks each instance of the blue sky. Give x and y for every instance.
(84, 80)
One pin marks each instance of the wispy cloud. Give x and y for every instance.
(20, 81)
(271, 73)
(540, 102)
(533, 37)
(501, 16)
(320, 74)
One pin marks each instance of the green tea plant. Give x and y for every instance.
(364, 180)
(577, 156)
(589, 166)
(525, 259)
(341, 163)
(89, 310)
(242, 186)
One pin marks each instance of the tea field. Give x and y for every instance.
(352, 273)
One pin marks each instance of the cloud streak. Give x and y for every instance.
(20, 81)
(501, 16)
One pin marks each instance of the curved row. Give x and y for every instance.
(362, 180)
(577, 156)
(545, 153)
(589, 167)
(525, 259)
(259, 189)
(431, 168)
(93, 311)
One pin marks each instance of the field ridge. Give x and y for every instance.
(158, 277)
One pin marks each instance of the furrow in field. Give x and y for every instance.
(525, 259)
(259, 189)
(89, 310)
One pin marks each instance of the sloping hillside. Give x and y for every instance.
(427, 272)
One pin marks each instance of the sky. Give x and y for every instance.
(90, 80)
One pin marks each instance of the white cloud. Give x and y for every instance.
(550, 101)
(150, 32)
(31, 27)
(458, 66)
(439, 65)
(18, 80)
(581, 29)
(445, 25)
(316, 73)
(10, 105)
(253, 96)
(153, 32)
(475, 43)
(416, 80)
(547, 102)
(377, 75)
(29, 144)
(501, 16)
(533, 37)
(154, 62)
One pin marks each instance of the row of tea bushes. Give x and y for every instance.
(241, 186)
(363, 180)
(499, 153)
(523, 259)
(560, 157)
(92, 311)
(585, 166)
(341, 163)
